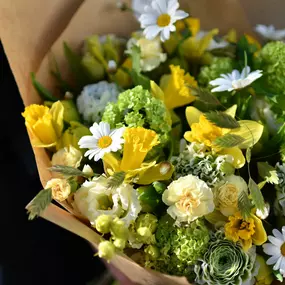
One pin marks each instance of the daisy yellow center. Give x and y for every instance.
(163, 20)
(283, 249)
(104, 141)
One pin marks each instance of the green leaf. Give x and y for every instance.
(222, 120)
(139, 79)
(73, 185)
(245, 50)
(39, 203)
(136, 58)
(244, 204)
(204, 96)
(256, 195)
(116, 180)
(69, 171)
(248, 155)
(267, 172)
(228, 140)
(278, 275)
(43, 92)
(74, 62)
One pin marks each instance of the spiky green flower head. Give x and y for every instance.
(219, 65)
(225, 263)
(180, 247)
(271, 59)
(138, 108)
(209, 167)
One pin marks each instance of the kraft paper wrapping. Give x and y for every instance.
(32, 31)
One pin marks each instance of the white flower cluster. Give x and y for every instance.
(93, 99)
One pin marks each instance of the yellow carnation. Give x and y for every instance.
(60, 188)
(68, 156)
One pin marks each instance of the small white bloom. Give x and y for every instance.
(92, 101)
(235, 80)
(213, 44)
(103, 140)
(151, 53)
(263, 214)
(270, 33)
(159, 18)
(139, 5)
(188, 198)
(94, 199)
(276, 248)
(87, 169)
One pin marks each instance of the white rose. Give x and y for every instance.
(94, 198)
(68, 156)
(188, 198)
(60, 188)
(226, 195)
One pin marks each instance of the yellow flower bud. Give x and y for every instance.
(103, 224)
(106, 250)
(60, 188)
(68, 156)
(70, 111)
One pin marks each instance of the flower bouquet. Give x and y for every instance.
(164, 149)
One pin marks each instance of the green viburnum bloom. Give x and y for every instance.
(225, 263)
(138, 108)
(180, 248)
(219, 65)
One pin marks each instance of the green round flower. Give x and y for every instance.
(225, 263)
(271, 59)
(180, 248)
(219, 65)
(138, 108)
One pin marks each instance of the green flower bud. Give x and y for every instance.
(119, 243)
(70, 111)
(119, 229)
(93, 67)
(106, 250)
(152, 252)
(149, 198)
(159, 187)
(103, 224)
(146, 221)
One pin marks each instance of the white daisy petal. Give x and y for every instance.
(165, 34)
(283, 232)
(245, 72)
(272, 260)
(279, 235)
(151, 32)
(275, 241)
(162, 6)
(271, 249)
(222, 88)
(270, 33)
(277, 264)
(180, 15)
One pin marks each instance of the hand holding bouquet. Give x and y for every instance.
(170, 145)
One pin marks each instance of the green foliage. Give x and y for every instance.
(267, 172)
(229, 140)
(222, 120)
(39, 203)
(244, 204)
(150, 200)
(205, 96)
(116, 180)
(69, 171)
(245, 51)
(256, 195)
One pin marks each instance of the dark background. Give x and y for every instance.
(32, 252)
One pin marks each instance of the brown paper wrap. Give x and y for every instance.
(32, 30)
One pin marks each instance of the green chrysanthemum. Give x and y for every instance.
(219, 65)
(225, 263)
(138, 108)
(180, 248)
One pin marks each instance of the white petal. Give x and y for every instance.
(95, 130)
(180, 15)
(277, 264)
(162, 6)
(245, 72)
(275, 241)
(272, 260)
(104, 128)
(147, 20)
(151, 32)
(235, 75)
(279, 235)
(173, 5)
(283, 232)
(271, 249)
(222, 88)
(172, 28)
(220, 81)
(87, 142)
(165, 34)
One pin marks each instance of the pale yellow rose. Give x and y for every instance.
(67, 156)
(188, 198)
(60, 188)
(227, 193)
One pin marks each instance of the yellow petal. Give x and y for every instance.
(111, 163)
(231, 36)
(236, 153)
(251, 131)
(216, 217)
(193, 24)
(192, 115)
(156, 91)
(57, 111)
(232, 111)
(260, 236)
(206, 40)
(156, 173)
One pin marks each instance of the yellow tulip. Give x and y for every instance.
(175, 87)
(45, 125)
(265, 275)
(203, 131)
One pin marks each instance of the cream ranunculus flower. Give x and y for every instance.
(151, 51)
(188, 198)
(226, 194)
(60, 188)
(68, 156)
(94, 198)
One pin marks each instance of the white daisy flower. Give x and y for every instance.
(139, 5)
(103, 140)
(276, 248)
(270, 33)
(235, 80)
(159, 18)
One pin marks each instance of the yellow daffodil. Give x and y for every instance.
(264, 275)
(203, 131)
(247, 232)
(45, 125)
(138, 142)
(175, 87)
